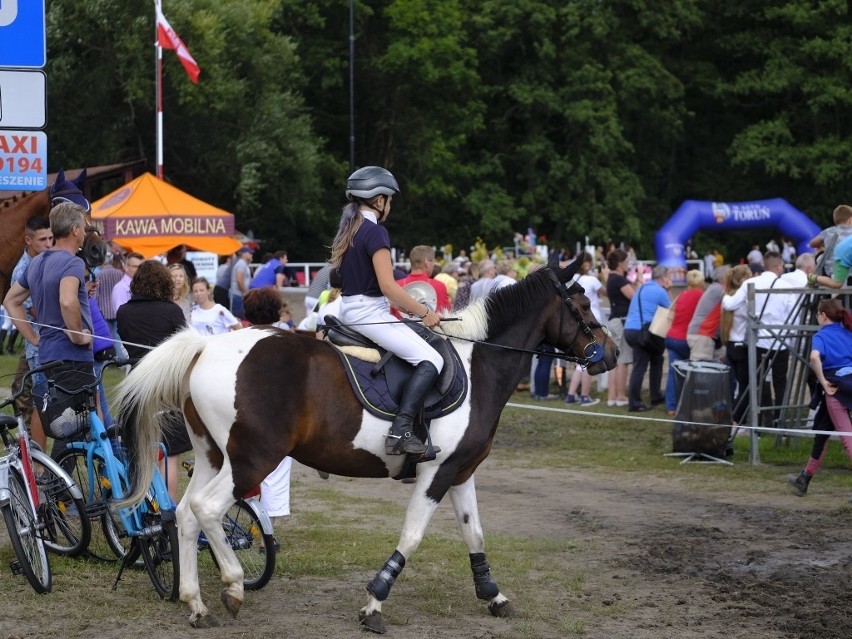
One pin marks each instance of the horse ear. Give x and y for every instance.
(567, 274)
(80, 180)
(60, 177)
(553, 260)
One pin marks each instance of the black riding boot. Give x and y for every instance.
(800, 482)
(3, 333)
(13, 337)
(401, 438)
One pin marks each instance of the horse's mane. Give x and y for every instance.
(488, 317)
(20, 199)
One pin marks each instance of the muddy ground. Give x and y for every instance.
(659, 557)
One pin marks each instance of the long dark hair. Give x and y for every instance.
(350, 221)
(834, 311)
(615, 258)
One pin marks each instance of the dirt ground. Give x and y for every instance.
(660, 559)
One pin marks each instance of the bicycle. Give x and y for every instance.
(41, 504)
(248, 530)
(98, 463)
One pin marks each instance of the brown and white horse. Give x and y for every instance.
(254, 396)
(15, 212)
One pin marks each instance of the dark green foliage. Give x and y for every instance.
(581, 118)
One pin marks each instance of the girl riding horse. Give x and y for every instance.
(361, 252)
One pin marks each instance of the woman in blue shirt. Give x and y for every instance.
(641, 311)
(831, 361)
(361, 251)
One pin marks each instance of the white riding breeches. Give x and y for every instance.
(367, 315)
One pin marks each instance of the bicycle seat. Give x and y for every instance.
(8, 421)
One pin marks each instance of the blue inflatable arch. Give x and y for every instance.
(693, 216)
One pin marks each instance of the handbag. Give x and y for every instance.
(662, 322)
(648, 340)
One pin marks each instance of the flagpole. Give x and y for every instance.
(159, 97)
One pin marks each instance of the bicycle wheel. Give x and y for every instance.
(112, 541)
(26, 542)
(254, 550)
(65, 528)
(160, 551)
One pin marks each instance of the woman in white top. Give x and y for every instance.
(593, 287)
(207, 317)
(733, 326)
(181, 294)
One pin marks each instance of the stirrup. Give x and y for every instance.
(407, 443)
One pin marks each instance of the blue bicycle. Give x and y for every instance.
(99, 466)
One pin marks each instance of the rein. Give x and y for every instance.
(593, 352)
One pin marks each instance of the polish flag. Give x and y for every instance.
(168, 39)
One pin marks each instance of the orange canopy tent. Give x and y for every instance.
(150, 216)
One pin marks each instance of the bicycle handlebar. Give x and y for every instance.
(117, 361)
(38, 369)
(92, 386)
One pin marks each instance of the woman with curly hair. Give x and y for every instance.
(147, 319)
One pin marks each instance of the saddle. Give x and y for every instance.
(378, 382)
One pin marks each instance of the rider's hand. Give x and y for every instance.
(431, 319)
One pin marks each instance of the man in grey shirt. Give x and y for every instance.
(240, 280)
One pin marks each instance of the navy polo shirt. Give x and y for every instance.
(359, 276)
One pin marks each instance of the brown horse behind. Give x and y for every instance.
(14, 215)
(15, 212)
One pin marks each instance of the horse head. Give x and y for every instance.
(94, 249)
(573, 328)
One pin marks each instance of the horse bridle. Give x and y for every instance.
(593, 351)
(91, 260)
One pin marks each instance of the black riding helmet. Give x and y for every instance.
(370, 181)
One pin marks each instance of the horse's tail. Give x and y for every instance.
(156, 384)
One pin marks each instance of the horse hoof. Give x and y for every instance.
(232, 604)
(501, 609)
(373, 622)
(207, 621)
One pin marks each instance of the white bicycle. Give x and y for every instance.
(42, 506)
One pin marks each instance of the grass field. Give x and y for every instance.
(335, 536)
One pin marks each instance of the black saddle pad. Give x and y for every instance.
(379, 386)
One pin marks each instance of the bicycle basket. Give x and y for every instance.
(64, 414)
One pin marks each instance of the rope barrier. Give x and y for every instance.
(668, 420)
(106, 339)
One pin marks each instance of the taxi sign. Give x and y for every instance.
(23, 160)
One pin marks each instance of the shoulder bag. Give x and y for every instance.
(648, 340)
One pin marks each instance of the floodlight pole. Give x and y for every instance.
(351, 85)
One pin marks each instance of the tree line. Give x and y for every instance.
(577, 117)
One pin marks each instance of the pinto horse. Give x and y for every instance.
(254, 396)
(17, 211)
